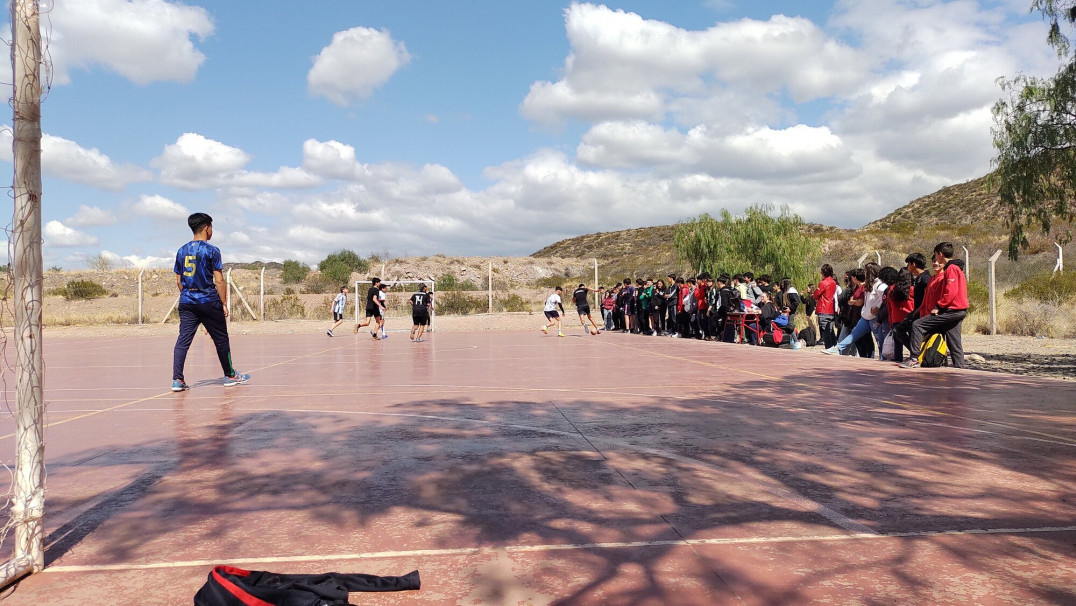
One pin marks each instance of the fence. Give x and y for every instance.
(1023, 297)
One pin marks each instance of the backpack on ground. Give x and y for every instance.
(935, 351)
(807, 336)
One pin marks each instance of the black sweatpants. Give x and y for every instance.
(948, 322)
(210, 315)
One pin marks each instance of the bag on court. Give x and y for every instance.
(230, 586)
(889, 350)
(807, 336)
(935, 351)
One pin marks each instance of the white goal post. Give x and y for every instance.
(360, 300)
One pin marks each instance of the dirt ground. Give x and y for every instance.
(1054, 358)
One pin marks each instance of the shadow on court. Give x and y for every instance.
(717, 487)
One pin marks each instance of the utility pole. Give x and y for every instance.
(28, 501)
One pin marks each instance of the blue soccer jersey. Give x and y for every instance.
(195, 263)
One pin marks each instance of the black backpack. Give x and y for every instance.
(807, 336)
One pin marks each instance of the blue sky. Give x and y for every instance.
(496, 128)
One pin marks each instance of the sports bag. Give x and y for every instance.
(935, 351)
(808, 336)
(230, 586)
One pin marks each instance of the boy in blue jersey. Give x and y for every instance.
(200, 280)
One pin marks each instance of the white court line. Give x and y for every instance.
(426, 553)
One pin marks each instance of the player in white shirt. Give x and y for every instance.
(551, 305)
(339, 303)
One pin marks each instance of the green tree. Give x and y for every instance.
(345, 258)
(760, 240)
(294, 272)
(335, 270)
(1035, 137)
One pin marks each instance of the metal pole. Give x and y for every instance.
(1060, 266)
(489, 285)
(261, 297)
(967, 264)
(140, 295)
(993, 295)
(28, 501)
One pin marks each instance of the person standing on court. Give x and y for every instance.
(373, 307)
(421, 302)
(825, 295)
(200, 281)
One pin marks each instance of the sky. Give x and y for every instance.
(485, 127)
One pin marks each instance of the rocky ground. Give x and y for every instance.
(1055, 358)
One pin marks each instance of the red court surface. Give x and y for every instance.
(517, 468)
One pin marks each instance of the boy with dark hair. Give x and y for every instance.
(551, 305)
(582, 307)
(373, 307)
(200, 281)
(825, 296)
(421, 302)
(944, 306)
(338, 305)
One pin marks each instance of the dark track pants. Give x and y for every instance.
(210, 315)
(947, 322)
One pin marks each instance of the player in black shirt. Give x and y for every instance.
(421, 302)
(373, 307)
(582, 306)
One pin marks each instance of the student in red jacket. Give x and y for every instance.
(945, 304)
(825, 295)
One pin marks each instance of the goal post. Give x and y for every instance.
(360, 299)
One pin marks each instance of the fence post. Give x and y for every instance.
(261, 297)
(993, 294)
(489, 283)
(228, 280)
(859, 263)
(140, 294)
(1060, 266)
(597, 297)
(967, 264)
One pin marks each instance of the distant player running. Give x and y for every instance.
(339, 303)
(200, 281)
(373, 307)
(551, 305)
(582, 306)
(421, 302)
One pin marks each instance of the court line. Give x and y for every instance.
(426, 553)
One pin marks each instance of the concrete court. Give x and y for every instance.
(517, 468)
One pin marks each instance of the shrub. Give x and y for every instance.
(978, 296)
(83, 289)
(99, 262)
(450, 282)
(335, 271)
(294, 272)
(319, 283)
(460, 303)
(1046, 288)
(284, 308)
(556, 280)
(1036, 319)
(512, 302)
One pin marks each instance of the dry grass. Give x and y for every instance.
(1027, 319)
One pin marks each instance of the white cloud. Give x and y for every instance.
(196, 162)
(358, 61)
(159, 207)
(67, 160)
(142, 40)
(146, 262)
(623, 66)
(91, 216)
(58, 234)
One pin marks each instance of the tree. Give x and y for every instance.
(1035, 137)
(758, 241)
(293, 272)
(100, 262)
(339, 265)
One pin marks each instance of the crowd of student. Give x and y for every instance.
(872, 311)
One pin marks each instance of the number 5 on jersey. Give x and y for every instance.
(188, 262)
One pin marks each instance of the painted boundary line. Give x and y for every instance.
(426, 553)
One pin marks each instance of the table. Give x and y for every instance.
(740, 319)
